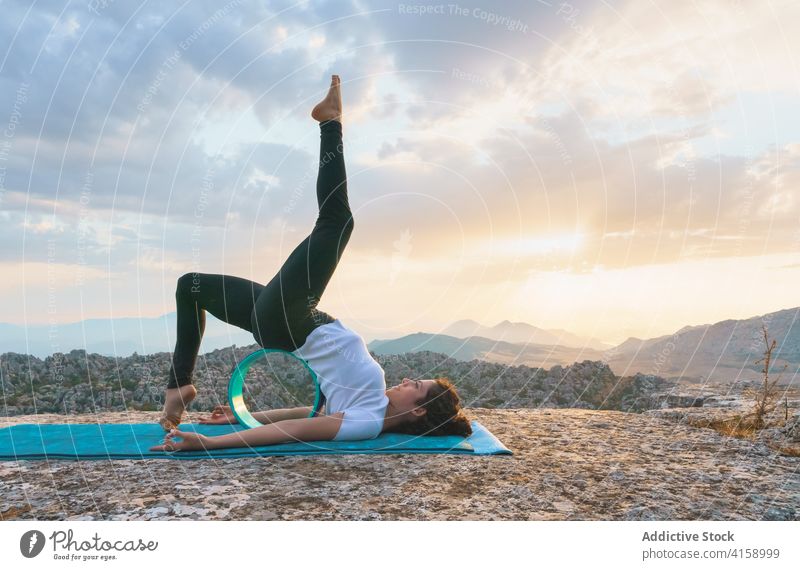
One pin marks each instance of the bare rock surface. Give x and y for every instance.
(569, 464)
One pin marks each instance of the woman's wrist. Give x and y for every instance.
(209, 442)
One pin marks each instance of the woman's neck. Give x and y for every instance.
(391, 418)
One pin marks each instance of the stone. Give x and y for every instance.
(568, 464)
(781, 514)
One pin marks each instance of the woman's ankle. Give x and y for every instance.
(177, 399)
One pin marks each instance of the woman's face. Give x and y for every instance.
(404, 396)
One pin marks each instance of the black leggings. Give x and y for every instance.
(284, 312)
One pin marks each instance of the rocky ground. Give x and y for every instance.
(568, 464)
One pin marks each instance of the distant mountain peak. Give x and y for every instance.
(521, 333)
(465, 321)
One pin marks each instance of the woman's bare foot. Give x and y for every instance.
(331, 106)
(190, 441)
(174, 405)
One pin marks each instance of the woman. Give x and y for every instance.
(283, 314)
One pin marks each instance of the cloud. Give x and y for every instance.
(638, 202)
(681, 60)
(154, 139)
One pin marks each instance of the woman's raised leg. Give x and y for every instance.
(285, 311)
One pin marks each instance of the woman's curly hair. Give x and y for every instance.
(444, 416)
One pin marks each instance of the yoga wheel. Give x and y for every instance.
(239, 375)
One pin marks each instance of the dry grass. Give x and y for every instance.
(789, 450)
(744, 427)
(13, 512)
(736, 426)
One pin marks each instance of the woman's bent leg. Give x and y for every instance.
(230, 299)
(285, 311)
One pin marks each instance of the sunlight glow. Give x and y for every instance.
(540, 245)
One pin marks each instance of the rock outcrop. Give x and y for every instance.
(572, 464)
(77, 382)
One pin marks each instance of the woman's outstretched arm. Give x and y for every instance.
(323, 428)
(279, 415)
(224, 415)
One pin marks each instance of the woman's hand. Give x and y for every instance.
(219, 415)
(190, 441)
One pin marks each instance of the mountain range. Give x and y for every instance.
(725, 351)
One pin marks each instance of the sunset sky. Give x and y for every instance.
(614, 169)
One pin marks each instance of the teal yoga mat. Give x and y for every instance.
(133, 441)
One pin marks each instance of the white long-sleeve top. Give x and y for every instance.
(353, 382)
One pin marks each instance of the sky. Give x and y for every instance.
(614, 169)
